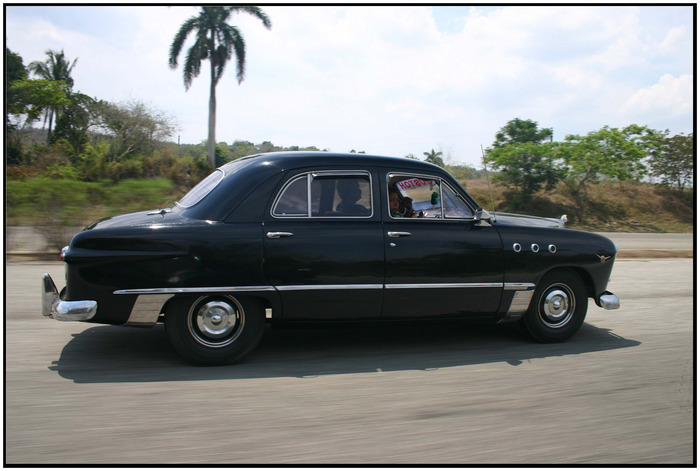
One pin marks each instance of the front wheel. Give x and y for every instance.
(214, 330)
(558, 307)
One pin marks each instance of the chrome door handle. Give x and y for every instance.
(277, 235)
(398, 234)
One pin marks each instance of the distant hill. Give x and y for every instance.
(615, 206)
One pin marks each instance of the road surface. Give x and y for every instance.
(620, 392)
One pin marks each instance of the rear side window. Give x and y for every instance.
(294, 200)
(326, 195)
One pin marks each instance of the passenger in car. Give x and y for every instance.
(349, 192)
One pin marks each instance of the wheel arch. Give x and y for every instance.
(267, 302)
(583, 274)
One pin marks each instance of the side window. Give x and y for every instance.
(341, 196)
(454, 207)
(424, 197)
(293, 201)
(332, 194)
(411, 197)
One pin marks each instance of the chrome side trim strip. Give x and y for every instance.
(212, 289)
(518, 286)
(326, 287)
(146, 310)
(442, 285)
(239, 289)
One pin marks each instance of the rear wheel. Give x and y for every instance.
(558, 307)
(214, 330)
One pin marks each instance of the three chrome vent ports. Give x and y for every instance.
(534, 248)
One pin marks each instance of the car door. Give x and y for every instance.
(439, 259)
(323, 245)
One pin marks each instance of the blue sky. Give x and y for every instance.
(389, 80)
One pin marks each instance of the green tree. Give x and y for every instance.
(242, 148)
(223, 154)
(674, 164)
(56, 68)
(217, 41)
(523, 158)
(132, 128)
(26, 100)
(14, 69)
(611, 153)
(526, 167)
(74, 121)
(521, 131)
(434, 158)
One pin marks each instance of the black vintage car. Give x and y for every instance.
(287, 237)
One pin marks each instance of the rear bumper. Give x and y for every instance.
(607, 300)
(52, 306)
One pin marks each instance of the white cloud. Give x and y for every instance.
(388, 79)
(670, 96)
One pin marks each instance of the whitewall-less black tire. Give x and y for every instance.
(214, 329)
(558, 307)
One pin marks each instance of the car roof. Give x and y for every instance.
(285, 160)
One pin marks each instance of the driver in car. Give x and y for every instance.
(398, 208)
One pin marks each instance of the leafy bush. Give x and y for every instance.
(47, 202)
(61, 171)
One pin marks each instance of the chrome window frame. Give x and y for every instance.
(310, 175)
(441, 182)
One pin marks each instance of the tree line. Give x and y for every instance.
(527, 160)
(92, 140)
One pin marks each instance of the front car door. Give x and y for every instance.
(323, 245)
(439, 259)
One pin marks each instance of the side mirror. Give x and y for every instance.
(483, 215)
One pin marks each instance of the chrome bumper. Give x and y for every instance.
(607, 300)
(52, 306)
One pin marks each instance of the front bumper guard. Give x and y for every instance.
(607, 300)
(54, 307)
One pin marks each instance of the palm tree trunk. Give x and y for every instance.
(211, 140)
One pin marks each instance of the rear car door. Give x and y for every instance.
(323, 245)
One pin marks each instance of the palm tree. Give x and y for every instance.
(217, 41)
(434, 157)
(55, 68)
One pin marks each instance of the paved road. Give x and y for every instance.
(648, 241)
(621, 391)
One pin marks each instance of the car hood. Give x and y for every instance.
(525, 220)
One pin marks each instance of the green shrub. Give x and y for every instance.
(61, 171)
(53, 202)
(140, 194)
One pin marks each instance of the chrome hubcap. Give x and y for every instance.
(216, 323)
(557, 306)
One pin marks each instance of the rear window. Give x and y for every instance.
(201, 190)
